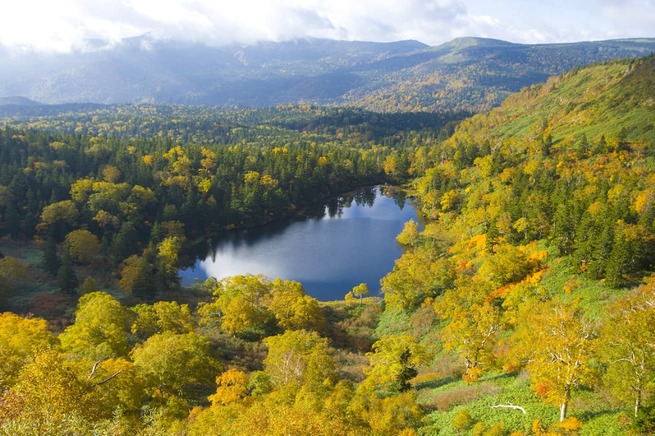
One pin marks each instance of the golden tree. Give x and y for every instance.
(558, 344)
(19, 339)
(627, 341)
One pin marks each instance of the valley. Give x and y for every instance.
(521, 305)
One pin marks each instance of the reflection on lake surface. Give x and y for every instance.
(352, 240)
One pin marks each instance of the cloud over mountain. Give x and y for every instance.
(69, 24)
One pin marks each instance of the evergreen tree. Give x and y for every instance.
(12, 221)
(564, 228)
(618, 263)
(408, 371)
(145, 284)
(493, 236)
(123, 242)
(601, 147)
(66, 277)
(51, 262)
(548, 144)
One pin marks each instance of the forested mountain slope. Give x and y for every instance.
(470, 74)
(541, 235)
(568, 162)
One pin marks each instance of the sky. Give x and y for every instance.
(64, 25)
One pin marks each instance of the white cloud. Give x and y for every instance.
(63, 24)
(629, 18)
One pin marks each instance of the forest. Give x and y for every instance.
(522, 305)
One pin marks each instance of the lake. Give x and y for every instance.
(352, 240)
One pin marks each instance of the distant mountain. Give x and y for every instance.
(24, 107)
(464, 74)
(17, 101)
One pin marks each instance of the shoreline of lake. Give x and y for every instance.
(299, 250)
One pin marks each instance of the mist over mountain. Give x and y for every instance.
(464, 74)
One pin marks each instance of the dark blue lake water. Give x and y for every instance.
(352, 241)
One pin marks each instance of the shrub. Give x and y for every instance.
(569, 425)
(462, 420)
(497, 430)
(479, 429)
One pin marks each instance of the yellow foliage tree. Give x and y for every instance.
(397, 414)
(175, 364)
(360, 290)
(20, 338)
(394, 361)
(82, 245)
(289, 356)
(627, 340)
(100, 328)
(472, 333)
(60, 211)
(231, 387)
(47, 398)
(115, 385)
(240, 303)
(81, 189)
(162, 316)
(409, 235)
(558, 345)
(13, 273)
(293, 309)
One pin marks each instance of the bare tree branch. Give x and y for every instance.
(510, 406)
(109, 378)
(93, 370)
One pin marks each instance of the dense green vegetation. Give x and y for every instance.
(524, 306)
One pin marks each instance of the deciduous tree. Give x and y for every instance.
(627, 341)
(558, 344)
(394, 361)
(162, 316)
(409, 235)
(174, 364)
(231, 387)
(475, 322)
(360, 290)
(47, 398)
(100, 328)
(290, 353)
(293, 308)
(82, 245)
(60, 211)
(20, 339)
(240, 304)
(115, 385)
(13, 273)
(167, 255)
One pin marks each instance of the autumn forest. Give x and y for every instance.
(523, 302)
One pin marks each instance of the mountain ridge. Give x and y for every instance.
(472, 74)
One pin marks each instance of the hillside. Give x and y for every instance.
(592, 101)
(469, 74)
(537, 259)
(568, 164)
